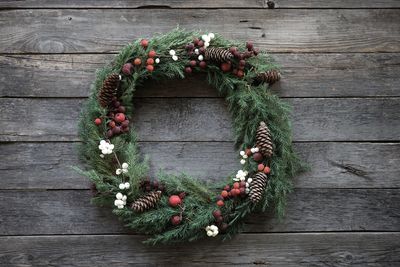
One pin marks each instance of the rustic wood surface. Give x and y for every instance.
(341, 67)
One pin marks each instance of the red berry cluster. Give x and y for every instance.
(238, 189)
(219, 220)
(238, 68)
(137, 62)
(262, 168)
(117, 120)
(148, 185)
(176, 201)
(194, 61)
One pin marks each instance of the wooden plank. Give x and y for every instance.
(285, 30)
(70, 212)
(333, 165)
(312, 249)
(304, 75)
(198, 4)
(205, 119)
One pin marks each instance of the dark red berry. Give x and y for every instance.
(193, 63)
(203, 64)
(121, 109)
(217, 213)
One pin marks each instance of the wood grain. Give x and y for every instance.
(304, 75)
(199, 119)
(311, 249)
(70, 212)
(243, 4)
(285, 30)
(333, 165)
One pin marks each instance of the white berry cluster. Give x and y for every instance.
(244, 157)
(212, 230)
(240, 175)
(207, 39)
(173, 54)
(123, 186)
(105, 147)
(120, 200)
(124, 169)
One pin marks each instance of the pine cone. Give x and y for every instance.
(147, 201)
(269, 77)
(263, 140)
(108, 90)
(217, 54)
(257, 187)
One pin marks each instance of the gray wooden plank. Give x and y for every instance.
(333, 165)
(311, 249)
(70, 212)
(244, 4)
(205, 119)
(304, 75)
(285, 30)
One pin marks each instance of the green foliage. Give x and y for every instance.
(248, 105)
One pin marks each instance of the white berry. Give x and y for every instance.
(245, 156)
(200, 57)
(211, 35)
(242, 161)
(122, 186)
(157, 60)
(118, 196)
(196, 51)
(127, 185)
(174, 58)
(256, 149)
(172, 52)
(242, 153)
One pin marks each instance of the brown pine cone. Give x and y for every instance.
(263, 140)
(109, 90)
(217, 54)
(269, 77)
(147, 201)
(257, 187)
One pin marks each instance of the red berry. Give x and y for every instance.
(200, 43)
(260, 167)
(144, 43)
(203, 64)
(235, 192)
(223, 227)
(117, 104)
(152, 53)
(234, 71)
(267, 170)
(220, 203)
(240, 73)
(174, 200)
(233, 49)
(248, 152)
(227, 187)
(150, 61)
(109, 133)
(224, 194)
(176, 220)
(249, 45)
(127, 69)
(121, 109)
(137, 61)
(188, 70)
(219, 219)
(193, 63)
(150, 68)
(125, 129)
(116, 130)
(241, 67)
(216, 213)
(242, 62)
(125, 123)
(120, 117)
(225, 67)
(97, 121)
(242, 184)
(236, 185)
(196, 41)
(202, 50)
(257, 156)
(111, 124)
(219, 197)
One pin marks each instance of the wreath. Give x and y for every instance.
(172, 207)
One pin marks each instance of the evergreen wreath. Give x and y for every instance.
(174, 208)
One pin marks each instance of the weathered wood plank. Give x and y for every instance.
(312, 249)
(333, 165)
(304, 75)
(244, 4)
(205, 119)
(285, 30)
(69, 212)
